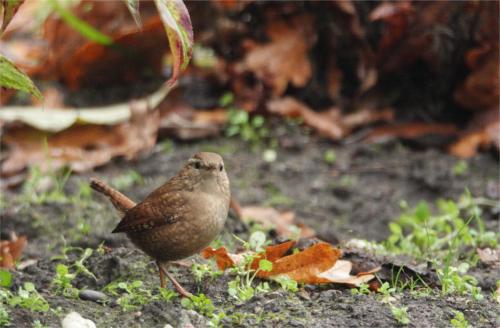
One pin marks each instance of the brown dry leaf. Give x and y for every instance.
(329, 123)
(314, 265)
(483, 131)
(326, 123)
(11, 250)
(81, 147)
(284, 59)
(489, 256)
(281, 221)
(410, 131)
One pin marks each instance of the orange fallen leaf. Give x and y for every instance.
(11, 250)
(317, 264)
(281, 221)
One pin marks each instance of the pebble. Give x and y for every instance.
(92, 295)
(75, 320)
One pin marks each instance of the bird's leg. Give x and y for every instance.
(177, 286)
(162, 276)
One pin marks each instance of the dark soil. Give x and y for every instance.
(353, 198)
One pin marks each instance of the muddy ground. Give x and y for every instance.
(353, 198)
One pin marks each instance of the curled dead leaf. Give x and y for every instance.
(11, 250)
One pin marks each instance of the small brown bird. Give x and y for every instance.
(179, 218)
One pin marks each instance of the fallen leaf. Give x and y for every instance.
(410, 131)
(11, 250)
(81, 147)
(281, 221)
(10, 8)
(489, 256)
(314, 265)
(328, 123)
(482, 132)
(284, 59)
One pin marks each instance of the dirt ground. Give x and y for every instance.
(355, 197)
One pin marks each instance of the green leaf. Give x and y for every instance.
(257, 240)
(177, 23)
(29, 287)
(10, 8)
(133, 7)
(5, 278)
(265, 265)
(81, 26)
(11, 77)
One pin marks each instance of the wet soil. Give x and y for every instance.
(355, 197)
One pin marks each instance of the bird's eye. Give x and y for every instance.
(221, 167)
(197, 165)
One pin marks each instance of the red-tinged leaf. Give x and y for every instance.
(177, 23)
(11, 250)
(10, 8)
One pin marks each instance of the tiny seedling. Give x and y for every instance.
(400, 314)
(42, 188)
(250, 129)
(459, 321)
(5, 278)
(287, 284)
(461, 168)
(204, 270)
(62, 282)
(38, 324)
(329, 157)
(4, 315)
(386, 290)
(27, 297)
(127, 179)
(363, 289)
(200, 303)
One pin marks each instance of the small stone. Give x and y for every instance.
(92, 295)
(75, 320)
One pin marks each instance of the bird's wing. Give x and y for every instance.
(153, 212)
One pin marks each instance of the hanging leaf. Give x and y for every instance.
(133, 7)
(10, 7)
(177, 22)
(11, 77)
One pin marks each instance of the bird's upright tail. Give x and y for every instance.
(121, 202)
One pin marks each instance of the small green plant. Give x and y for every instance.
(461, 168)
(329, 157)
(250, 129)
(5, 278)
(41, 188)
(363, 289)
(204, 270)
(28, 298)
(287, 284)
(4, 315)
(241, 288)
(62, 282)
(400, 314)
(38, 324)
(459, 321)
(200, 303)
(455, 280)
(386, 290)
(133, 295)
(275, 197)
(127, 179)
